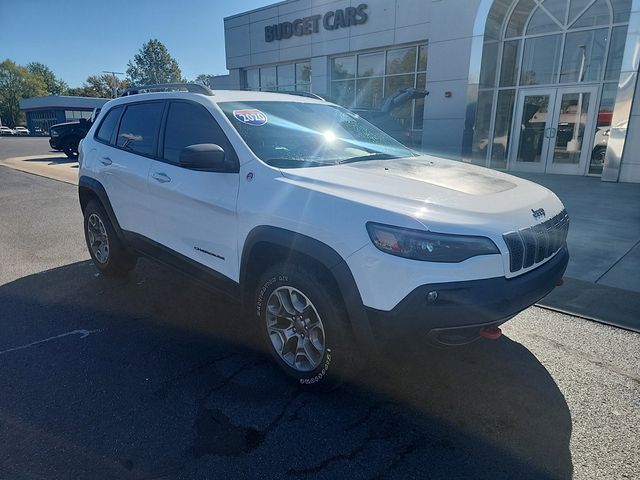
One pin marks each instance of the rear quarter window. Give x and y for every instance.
(108, 125)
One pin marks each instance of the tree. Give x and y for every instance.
(153, 64)
(99, 86)
(17, 82)
(206, 80)
(55, 86)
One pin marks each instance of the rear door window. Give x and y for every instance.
(191, 124)
(108, 125)
(139, 128)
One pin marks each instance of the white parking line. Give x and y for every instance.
(83, 334)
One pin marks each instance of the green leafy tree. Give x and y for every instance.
(17, 82)
(55, 86)
(153, 64)
(206, 80)
(99, 86)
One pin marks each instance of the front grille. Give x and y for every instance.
(532, 245)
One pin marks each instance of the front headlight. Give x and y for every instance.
(53, 133)
(428, 246)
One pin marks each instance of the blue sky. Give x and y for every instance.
(80, 38)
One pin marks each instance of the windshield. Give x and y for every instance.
(295, 134)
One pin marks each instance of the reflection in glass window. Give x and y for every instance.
(344, 92)
(252, 79)
(616, 52)
(402, 60)
(286, 75)
(518, 19)
(422, 58)
(510, 57)
(540, 60)
(541, 22)
(371, 64)
(368, 92)
(363, 81)
(502, 129)
(621, 10)
(583, 59)
(596, 15)
(268, 79)
(303, 72)
(343, 67)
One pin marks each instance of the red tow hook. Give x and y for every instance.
(490, 333)
(560, 282)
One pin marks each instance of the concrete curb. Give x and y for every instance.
(65, 170)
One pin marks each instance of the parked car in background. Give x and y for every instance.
(66, 136)
(383, 117)
(21, 131)
(6, 131)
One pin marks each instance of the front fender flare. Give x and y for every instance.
(325, 255)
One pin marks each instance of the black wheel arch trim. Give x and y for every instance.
(95, 187)
(326, 256)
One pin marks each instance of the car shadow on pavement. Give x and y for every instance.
(53, 160)
(155, 377)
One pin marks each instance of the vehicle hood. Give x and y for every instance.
(64, 125)
(433, 190)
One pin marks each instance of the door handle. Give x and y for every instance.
(161, 177)
(106, 161)
(551, 132)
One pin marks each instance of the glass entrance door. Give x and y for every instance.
(553, 130)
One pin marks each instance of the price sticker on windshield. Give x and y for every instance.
(251, 116)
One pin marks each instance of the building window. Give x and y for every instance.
(363, 80)
(71, 115)
(551, 43)
(285, 78)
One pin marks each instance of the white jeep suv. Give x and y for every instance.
(334, 235)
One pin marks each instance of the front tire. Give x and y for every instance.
(305, 327)
(108, 253)
(70, 147)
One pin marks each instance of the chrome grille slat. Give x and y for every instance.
(532, 245)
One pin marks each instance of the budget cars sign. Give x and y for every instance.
(331, 20)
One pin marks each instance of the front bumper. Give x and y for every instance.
(467, 306)
(54, 142)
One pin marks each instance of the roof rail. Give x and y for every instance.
(298, 93)
(189, 87)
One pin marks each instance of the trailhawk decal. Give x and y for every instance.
(252, 116)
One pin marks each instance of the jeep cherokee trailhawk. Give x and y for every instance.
(330, 232)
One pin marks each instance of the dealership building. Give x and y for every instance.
(43, 112)
(546, 86)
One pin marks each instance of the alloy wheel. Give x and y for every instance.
(295, 329)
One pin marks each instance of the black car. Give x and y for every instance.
(66, 136)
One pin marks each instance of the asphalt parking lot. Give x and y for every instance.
(155, 377)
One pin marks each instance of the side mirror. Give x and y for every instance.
(204, 156)
(83, 120)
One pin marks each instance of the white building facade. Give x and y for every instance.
(548, 86)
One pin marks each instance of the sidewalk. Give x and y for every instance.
(603, 276)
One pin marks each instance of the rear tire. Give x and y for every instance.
(108, 253)
(304, 327)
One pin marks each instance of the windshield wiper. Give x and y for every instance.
(369, 156)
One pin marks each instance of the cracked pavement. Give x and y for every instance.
(170, 383)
